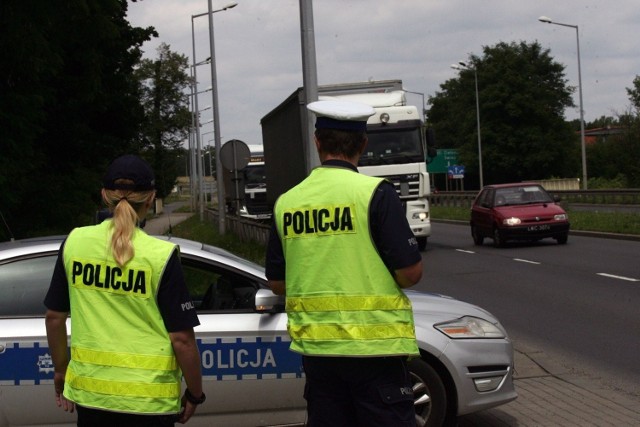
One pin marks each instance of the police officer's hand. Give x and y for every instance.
(61, 401)
(188, 409)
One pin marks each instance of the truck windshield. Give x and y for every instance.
(255, 176)
(395, 146)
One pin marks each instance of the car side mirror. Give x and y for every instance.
(268, 302)
(556, 198)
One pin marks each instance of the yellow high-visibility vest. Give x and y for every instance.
(341, 298)
(121, 356)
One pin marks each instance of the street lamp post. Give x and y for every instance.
(194, 140)
(197, 169)
(422, 95)
(463, 66)
(216, 116)
(546, 20)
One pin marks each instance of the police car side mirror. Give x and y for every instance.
(268, 302)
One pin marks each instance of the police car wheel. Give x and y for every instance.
(429, 394)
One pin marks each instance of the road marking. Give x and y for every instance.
(527, 261)
(466, 252)
(613, 276)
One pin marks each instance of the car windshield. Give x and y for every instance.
(521, 195)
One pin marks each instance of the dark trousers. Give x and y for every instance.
(358, 391)
(88, 417)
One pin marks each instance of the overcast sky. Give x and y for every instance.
(258, 53)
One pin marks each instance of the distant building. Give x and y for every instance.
(600, 135)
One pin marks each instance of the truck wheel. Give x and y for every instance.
(422, 243)
(429, 394)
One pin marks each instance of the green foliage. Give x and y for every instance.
(166, 114)
(614, 161)
(522, 97)
(619, 181)
(69, 105)
(634, 94)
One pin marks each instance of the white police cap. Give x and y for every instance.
(341, 115)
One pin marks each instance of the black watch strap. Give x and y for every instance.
(194, 400)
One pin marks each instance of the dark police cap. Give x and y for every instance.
(131, 168)
(341, 115)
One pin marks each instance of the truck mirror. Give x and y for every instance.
(430, 135)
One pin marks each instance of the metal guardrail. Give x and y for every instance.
(247, 230)
(252, 231)
(465, 199)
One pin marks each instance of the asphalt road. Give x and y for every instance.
(579, 302)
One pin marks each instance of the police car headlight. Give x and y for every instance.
(420, 215)
(511, 221)
(469, 327)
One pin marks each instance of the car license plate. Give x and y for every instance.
(541, 227)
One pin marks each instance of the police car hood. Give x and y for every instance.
(439, 308)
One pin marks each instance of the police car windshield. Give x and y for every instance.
(392, 147)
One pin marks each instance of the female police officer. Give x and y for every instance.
(131, 315)
(340, 250)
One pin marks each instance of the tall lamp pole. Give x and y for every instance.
(423, 105)
(216, 117)
(546, 20)
(197, 170)
(463, 66)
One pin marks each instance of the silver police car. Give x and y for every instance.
(250, 376)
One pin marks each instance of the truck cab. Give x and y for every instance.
(254, 177)
(396, 152)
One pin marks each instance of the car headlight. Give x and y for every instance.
(560, 217)
(469, 327)
(511, 221)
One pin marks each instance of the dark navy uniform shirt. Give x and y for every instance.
(390, 232)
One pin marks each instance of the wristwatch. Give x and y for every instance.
(194, 400)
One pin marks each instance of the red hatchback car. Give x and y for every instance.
(518, 211)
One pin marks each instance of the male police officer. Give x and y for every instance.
(341, 249)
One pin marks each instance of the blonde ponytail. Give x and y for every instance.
(127, 208)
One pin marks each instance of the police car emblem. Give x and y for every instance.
(45, 363)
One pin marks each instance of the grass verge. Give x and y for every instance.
(207, 232)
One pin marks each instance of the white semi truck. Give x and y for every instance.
(255, 186)
(396, 149)
(246, 188)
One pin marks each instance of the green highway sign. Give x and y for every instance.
(444, 159)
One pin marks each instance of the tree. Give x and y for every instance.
(167, 118)
(522, 95)
(69, 105)
(634, 94)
